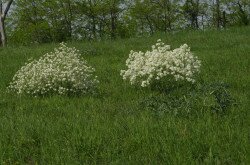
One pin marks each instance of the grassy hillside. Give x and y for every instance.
(123, 124)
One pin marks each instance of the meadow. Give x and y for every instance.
(124, 124)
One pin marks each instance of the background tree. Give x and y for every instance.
(191, 11)
(143, 14)
(39, 21)
(166, 11)
(4, 9)
(239, 12)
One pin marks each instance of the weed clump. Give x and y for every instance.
(213, 97)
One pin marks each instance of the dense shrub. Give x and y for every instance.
(62, 72)
(161, 62)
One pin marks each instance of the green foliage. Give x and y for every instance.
(188, 100)
(38, 22)
(30, 34)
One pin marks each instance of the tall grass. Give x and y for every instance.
(113, 126)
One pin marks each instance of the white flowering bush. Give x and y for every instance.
(161, 63)
(62, 71)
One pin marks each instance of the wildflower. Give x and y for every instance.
(144, 68)
(61, 72)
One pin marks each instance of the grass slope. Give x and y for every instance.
(113, 127)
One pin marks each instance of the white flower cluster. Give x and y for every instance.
(62, 72)
(161, 62)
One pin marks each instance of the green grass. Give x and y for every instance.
(113, 127)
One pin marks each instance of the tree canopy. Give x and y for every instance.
(40, 21)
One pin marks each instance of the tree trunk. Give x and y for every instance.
(2, 32)
(218, 17)
(3, 14)
(196, 22)
(224, 19)
(69, 20)
(93, 27)
(113, 27)
(150, 25)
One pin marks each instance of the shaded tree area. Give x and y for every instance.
(41, 21)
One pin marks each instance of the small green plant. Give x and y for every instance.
(220, 93)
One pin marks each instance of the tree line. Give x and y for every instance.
(41, 21)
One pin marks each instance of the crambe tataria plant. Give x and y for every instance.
(62, 72)
(161, 62)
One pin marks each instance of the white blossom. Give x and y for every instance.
(61, 72)
(161, 61)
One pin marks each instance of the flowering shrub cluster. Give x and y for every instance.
(161, 62)
(62, 72)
